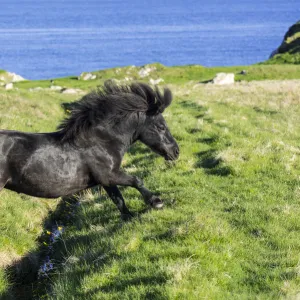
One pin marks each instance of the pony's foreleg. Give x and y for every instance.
(150, 198)
(116, 196)
(124, 179)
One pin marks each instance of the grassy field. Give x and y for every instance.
(230, 226)
(173, 75)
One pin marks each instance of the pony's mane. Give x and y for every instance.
(112, 102)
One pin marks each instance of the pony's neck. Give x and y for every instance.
(122, 138)
(130, 130)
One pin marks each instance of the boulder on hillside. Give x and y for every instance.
(223, 78)
(155, 81)
(36, 89)
(9, 86)
(290, 44)
(87, 76)
(146, 70)
(11, 77)
(56, 88)
(71, 91)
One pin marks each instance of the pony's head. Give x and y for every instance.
(154, 132)
(123, 110)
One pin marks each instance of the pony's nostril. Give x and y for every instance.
(177, 151)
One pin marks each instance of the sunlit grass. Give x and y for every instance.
(230, 226)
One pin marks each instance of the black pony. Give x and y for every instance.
(89, 145)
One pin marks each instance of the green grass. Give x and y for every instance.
(172, 75)
(230, 226)
(285, 58)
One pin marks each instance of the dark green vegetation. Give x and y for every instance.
(289, 50)
(230, 226)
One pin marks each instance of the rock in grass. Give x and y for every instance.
(145, 71)
(156, 81)
(87, 76)
(223, 79)
(35, 89)
(56, 88)
(9, 86)
(71, 91)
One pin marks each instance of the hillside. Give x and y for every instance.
(289, 50)
(230, 226)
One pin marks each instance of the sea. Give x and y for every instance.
(43, 39)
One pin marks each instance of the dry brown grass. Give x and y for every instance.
(8, 258)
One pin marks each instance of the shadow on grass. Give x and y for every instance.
(23, 274)
(212, 164)
(265, 111)
(193, 107)
(208, 140)
(194, 130)
(121, 285)
(206, 81)
(91, 259)
(99, 223)
(208, 159)
(198, 112)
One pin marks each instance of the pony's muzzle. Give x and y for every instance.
(176, 152)
(173, 153)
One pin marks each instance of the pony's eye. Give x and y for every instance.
(161, 127)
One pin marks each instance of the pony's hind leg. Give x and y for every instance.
(116, 196)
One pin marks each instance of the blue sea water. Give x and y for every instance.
(53, 38)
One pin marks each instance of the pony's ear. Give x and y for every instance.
(163, 101)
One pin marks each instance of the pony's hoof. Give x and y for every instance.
(156, 203)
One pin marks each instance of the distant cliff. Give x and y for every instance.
(289, 50)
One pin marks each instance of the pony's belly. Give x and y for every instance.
(50, 173)
(47, 189)
(48, 184)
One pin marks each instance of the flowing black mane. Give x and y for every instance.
(112, 102)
